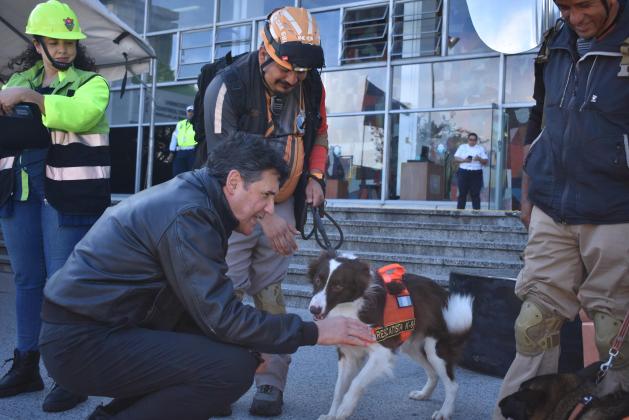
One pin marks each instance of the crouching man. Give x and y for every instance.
(143, 312)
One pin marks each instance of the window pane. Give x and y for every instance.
(462, 37)
(412, 87)
(468, 82)
(165, 47)
(329, 29)
(359, 142)
(131, 12)
(243, 9)
(171, 103)
(519, 78)
(236, 39)
(362, 90)
(433, 137)
(195, 55)
(417, 28)
(195, 39)
(311, 4)
(365, 34)
(196, 50)
(173, 14)
(123, 150)
(124, 110)
(190, 71)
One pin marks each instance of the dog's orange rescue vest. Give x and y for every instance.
(399, 315)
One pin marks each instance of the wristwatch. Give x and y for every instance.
(317, 176)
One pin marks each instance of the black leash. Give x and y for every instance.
(319, 230)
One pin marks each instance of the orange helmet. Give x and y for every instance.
(291, 38)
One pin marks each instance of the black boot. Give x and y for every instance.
(23, 375)
(60, 399)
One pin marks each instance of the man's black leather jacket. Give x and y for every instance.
(161, 253)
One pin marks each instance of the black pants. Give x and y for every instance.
(469, 182)
(166, 375)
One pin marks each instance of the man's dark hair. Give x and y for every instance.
(472, 134)
(249, 154)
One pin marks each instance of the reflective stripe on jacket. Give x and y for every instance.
(78, 160)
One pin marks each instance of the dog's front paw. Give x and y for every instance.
(418, 395)
(441, 415)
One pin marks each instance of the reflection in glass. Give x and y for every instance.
(171, 103)
(359, 142)
(173, 14)
(519, 78)
(467, 82)
(516, 120)
(433, 137)
(445, 84)
(243, 9)
(131, 12)
(329, 29)
(417, 28)
(311, 4)
(365, 34)
(165, 47)
(195, 51)
(362, 90)
(124, 110)
(236, 39)
(412, 86)
(462, 37)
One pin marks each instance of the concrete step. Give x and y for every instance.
(482, 217)
(443, 231)
(500, 251)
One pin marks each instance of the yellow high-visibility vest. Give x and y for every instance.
(185, 134)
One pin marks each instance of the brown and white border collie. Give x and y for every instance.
(346, 286)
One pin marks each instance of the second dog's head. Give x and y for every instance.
(335, 280)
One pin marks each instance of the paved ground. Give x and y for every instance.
(309, 391)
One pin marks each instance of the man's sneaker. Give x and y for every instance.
(267, 402)
(60, 399)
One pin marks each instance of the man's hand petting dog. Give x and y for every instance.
(341, 330)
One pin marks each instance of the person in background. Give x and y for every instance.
(144, 312)
(575, 193)
(275, 92)
(471, 158)
(51, 196)
(183, 145)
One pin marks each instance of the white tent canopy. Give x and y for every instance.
(110, 41)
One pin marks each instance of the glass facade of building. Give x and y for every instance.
(406, 81)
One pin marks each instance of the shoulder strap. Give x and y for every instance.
(544, 51)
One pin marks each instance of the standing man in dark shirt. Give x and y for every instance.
(575, 197)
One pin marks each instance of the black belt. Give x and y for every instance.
(55, 314)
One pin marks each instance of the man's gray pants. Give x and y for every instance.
(256, 269)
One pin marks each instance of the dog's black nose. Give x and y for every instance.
(315, 310)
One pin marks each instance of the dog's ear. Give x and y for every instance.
(314, 266)
(522, 404)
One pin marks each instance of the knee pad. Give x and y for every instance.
(607, 328)
(536, 329)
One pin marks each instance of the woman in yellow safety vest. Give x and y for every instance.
(51, 193)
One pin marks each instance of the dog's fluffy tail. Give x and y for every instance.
(458, 313)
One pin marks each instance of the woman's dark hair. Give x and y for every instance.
(30, 56)
(249, 154)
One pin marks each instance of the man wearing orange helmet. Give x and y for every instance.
(275, 92)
